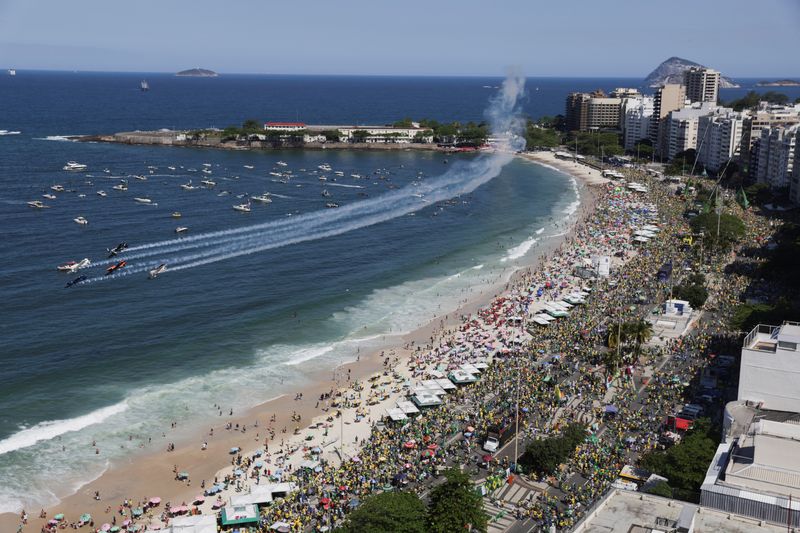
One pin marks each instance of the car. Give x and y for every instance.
(491, 444)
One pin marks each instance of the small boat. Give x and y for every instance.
(160, 269)
(81, 195)
(49, 196)
(107, 171)
(208, 183)
(331, 205)
(181, 229)
(80, 220)
(339, 173)
(263, 198)
(224, 193)
(324, 166)
(323, 178)
(249, 167)
(57, 188)
(72, 266)
(101, 193)
(12, 72)
(140, 178)
(356, 176)
(188, 186)
(276, 174)
(176, 214)
(243, 208)
(6, 132)
(120, 187)
(325, 193)
(205, 171)
(281, 163)
(143, 200)
(37, 204)
(171, 168)
(144, 86)
(74, 166)
(206, 164)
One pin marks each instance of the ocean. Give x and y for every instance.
(250, 301)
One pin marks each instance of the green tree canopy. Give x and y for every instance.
(731, 228)
(752, 98)
(455, 506)
(388, 512)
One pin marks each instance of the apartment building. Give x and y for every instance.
(702, 84)
(720, 137)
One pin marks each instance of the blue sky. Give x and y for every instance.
(446, 37)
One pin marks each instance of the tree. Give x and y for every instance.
(731, 228)
(543, 456)
(695, 294)
(360, 136)
(391, 512)
(331, 135)
(539, 136)
(405, 123)
(639, 332)
(456, 506)
(661, 488)
(251, 125)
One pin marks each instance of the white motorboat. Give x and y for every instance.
(101, 193)
(80, 220)
(282, 163)
(205, 171)
(206, 164)
(171, 168)
(176, 214)
(249, 167)
(37, 204)
(356, 176)
(57, 188)
(12, 72)
(243, 208)
(74, 166)
(188, 186)
(209, 183)
(140, 177)
(331, 205)
(323, 178)
(181, 229)
(263, 198)
(324, 166)
(160, 269)
(143, 200)
(6, 132)
(49, 196)
(120, 187)
(339, 173)
(276, 174)
(325, 193)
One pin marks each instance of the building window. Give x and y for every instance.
(783, 345)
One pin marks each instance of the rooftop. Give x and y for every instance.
(766, 338)
(626, 512)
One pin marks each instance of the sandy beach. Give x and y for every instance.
(280, 428)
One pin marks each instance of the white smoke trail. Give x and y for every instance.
(506, 124)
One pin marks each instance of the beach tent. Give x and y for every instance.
(264, 494)
(557, 313)
(433, 386)
(544, 316)
(202, 523)
(540, 321)
(407, 407)
(234, 515)
(311, 465)
(445, 384)
(281, 527)
(396, 414)
(469, 367)
(481, 365)
(461, 377)
(426, 400)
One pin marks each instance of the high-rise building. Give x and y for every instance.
(720, 137)
(702, 84)
(667, 98)
(794, 183)
(636, 115)
(776, 155)
(681, 128)
(766, 116)
(604, 113)
(577, 112)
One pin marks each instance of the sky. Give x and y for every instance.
(577, 38)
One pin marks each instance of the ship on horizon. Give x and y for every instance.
(144, 86)
(12, 72)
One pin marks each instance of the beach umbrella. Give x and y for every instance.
(611, 409)
(199, 499)
(137, 511)
(234, 450)
(52, 521)
(316, 449)
(259, 464)
(356, 459)
(114, 529)
(86, 517)
(470, 429)
(127, 522)
(238, 472)
(133, 527)
(433, 446)
(59, 516)
(105, 527)
(428, 453)
(155, 501)
(183, 475)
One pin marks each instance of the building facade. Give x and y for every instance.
(667, 98)
(636, 116)
(774, 162)
(720, 138)
(702, 84)
(681, 128)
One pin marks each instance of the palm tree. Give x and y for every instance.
(640, 332)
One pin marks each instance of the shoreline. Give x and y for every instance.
(151, 473)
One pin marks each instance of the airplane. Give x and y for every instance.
(73, 266)
(79, 279)
(158, 270)
(121, 247)
(113, 268)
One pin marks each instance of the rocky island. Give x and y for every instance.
(779, 83)
(672, 71)
(198, 73)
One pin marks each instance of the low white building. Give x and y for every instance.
(285, 126)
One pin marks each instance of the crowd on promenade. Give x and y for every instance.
(551, 375)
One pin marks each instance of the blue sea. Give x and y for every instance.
(251, 302)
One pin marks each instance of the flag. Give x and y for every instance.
(742, 198)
